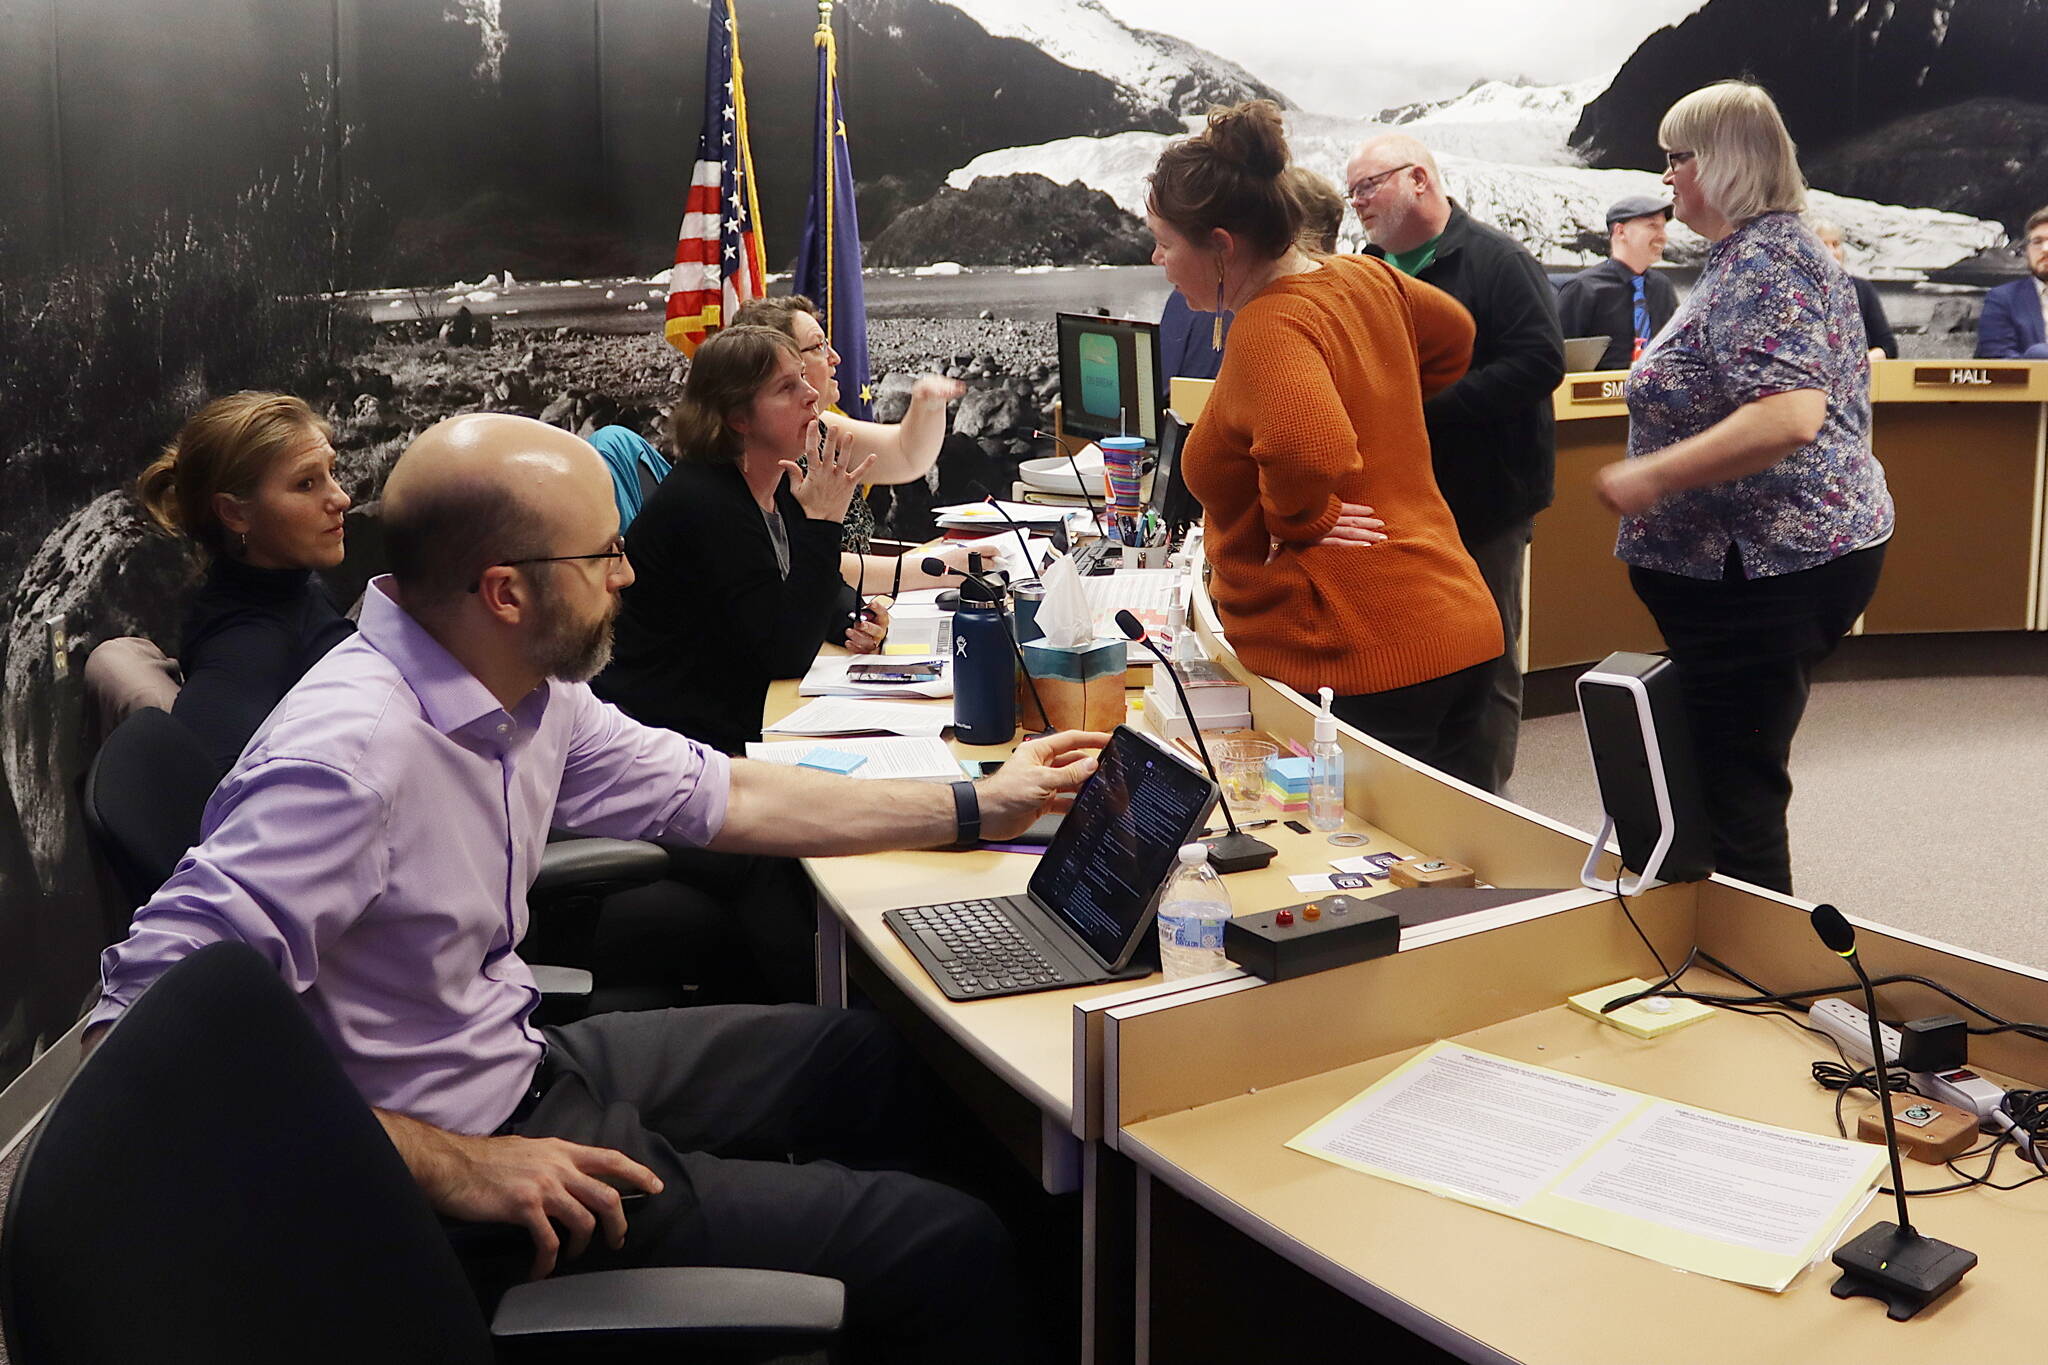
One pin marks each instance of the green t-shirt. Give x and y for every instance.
(1414, 262)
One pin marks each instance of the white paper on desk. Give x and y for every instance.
(1483, 1128)
(1720, 1178)
(859, 716)
(828, 678)
(919, 760)
(980, 515)
(1705, 1192)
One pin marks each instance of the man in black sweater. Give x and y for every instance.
(1491, 433)
(1621, 298)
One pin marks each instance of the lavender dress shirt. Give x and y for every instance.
(376, 840)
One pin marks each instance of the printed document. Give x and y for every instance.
(922, 760)
(856, 716)
(1694, 1189)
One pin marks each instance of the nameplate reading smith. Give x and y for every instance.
(1597, 390)
(1967, 377)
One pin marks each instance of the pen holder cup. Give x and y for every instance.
(1082, 687)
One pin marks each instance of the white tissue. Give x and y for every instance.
(1064, 616)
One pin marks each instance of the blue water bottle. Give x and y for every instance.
(984, 667)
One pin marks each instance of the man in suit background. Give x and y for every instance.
(2011, 328)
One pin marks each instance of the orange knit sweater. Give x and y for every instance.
(1320, 401)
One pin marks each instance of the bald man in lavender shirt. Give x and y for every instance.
(375, 841)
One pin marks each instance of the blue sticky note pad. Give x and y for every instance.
(1290, 772)
(832, 761)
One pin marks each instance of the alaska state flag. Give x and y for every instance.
(718, 250)
(828, 263)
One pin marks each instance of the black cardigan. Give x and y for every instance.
(1491, 435)
(249, 635)
(709, 621)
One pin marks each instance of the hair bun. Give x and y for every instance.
(1250, 136)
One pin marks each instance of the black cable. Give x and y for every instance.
(1662, 966)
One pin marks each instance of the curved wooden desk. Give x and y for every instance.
(1203, 1089)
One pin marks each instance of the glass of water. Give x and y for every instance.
(1241, 763)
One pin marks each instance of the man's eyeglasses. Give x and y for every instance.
(617, 551)
(1365, 189)
(1673, 160)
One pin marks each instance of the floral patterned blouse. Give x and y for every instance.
(1772, 313)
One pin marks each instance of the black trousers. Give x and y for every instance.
(1441, 722)
(774, 1130)
(1746, 650)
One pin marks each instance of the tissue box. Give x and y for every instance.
(1082, 687)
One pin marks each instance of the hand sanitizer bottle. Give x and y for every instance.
(1326, 777)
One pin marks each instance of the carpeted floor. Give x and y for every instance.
(1920, 786)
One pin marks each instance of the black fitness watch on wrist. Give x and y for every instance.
(966, 815)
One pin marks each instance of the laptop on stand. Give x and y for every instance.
(1088, 911)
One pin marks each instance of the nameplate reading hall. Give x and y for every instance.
(1597, 390)
(1967, 377)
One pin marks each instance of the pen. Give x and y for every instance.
(1242, 824)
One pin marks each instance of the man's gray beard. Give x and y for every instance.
(566, 654)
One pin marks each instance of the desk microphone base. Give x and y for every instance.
(1907, 1271)
(1239, 853)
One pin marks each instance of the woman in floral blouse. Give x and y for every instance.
(1754, 517)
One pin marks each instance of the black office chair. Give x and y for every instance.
(210, 1187)
(143, 796)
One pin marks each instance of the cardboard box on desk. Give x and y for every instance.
(1082, 686)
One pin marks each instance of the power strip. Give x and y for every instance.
(1849, 1026)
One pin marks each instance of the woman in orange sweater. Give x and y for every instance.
(1316, 413)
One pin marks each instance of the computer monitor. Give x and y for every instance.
(1170, 498)
(1109, 377)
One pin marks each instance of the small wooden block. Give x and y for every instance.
(1417, 872)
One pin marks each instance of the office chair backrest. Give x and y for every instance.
(211, 1187)
(143, 798)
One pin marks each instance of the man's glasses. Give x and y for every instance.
(617, 551)
(1365, 189)
(1673, 160)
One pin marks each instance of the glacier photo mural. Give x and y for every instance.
(400, 209)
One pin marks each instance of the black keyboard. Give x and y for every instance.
(975, 945)
(1099, 556)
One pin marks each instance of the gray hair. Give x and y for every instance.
(1746, 161)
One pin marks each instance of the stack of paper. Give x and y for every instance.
(1148, 594)
(980, 516)
(828, 678)
(851, 716)
(919, 760)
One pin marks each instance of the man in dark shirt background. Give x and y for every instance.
(1621, 298)
(1491, 436)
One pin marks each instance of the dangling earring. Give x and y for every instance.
(1216, 327)
(241, 544)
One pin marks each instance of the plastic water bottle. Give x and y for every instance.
(1326, 772)
(1192, 913)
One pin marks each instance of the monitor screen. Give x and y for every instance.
(1109, 376)
(1103, 870)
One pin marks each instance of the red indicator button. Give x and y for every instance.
(1282, 918)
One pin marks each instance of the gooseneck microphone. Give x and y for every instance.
(1023, 541)
(1235, 851)
(939, 568)
(1889, 1261)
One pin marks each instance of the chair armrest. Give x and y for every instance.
(700, 1300)
(562, 981)
(572, 863)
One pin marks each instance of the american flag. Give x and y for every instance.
(719, 259)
